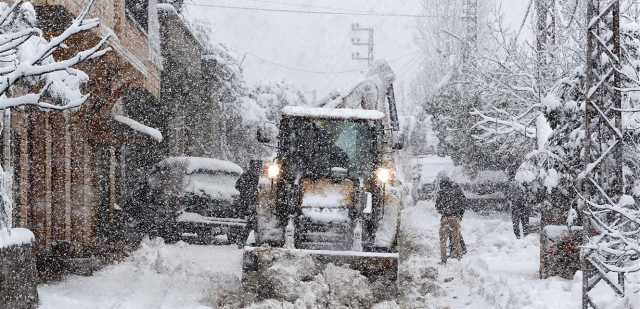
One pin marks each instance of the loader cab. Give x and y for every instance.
(320, 147)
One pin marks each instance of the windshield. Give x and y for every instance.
(315, 147)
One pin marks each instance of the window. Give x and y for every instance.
(139, 11)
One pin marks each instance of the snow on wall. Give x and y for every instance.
(200, 164)
(139, 127)
(331, 113)
(15, 237)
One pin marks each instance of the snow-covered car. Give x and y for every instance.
(195, 199)
(426, 170)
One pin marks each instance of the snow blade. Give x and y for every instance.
(263, 268)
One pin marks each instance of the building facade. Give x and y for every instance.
(195, 119)
(70, 169)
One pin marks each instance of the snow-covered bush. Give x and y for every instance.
(31, 76)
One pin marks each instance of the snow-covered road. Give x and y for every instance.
(499, 271)
(157, 276)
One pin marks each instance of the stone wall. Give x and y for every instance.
(18, 279)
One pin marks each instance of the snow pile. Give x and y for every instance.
(334, 287)
(139, 127)
(199, 164)
(155, 276)
(15, 237)
(297, 281)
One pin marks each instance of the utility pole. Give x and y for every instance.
(356, 41)
(470, 19)
(602, 180)
(546, 40)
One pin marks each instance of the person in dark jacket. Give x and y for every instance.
(450, 205)
(519, 210)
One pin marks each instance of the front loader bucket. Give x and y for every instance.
(259, 263)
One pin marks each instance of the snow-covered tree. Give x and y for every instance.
(243, 108)
(31, 76)
(497, 78)
(556, 168)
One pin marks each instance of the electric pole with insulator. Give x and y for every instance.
(357, 41)
(470, 19)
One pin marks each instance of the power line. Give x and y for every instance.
(317, 12)
(306, 6)
(291, 68)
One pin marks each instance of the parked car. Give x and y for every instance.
(195, 199)
(425, 172)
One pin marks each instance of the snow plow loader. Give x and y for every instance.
(330, 196)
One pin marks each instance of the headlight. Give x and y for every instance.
(273, 170)
(384, 175)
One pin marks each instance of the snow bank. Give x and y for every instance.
(15, 237)
(155, 276)
(297, 280)
(499, 271)
(200, 164)
(332, 113)
(139, 127)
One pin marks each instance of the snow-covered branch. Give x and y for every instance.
(510, 125)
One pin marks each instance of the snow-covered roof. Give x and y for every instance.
(15, 237)
(200, 164)
(139, 127)
(332, 113)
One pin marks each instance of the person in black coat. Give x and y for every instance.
(519, 210)
(450, 202)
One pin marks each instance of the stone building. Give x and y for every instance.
(69, 168)
(195, 123)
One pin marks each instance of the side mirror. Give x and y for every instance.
(267, 133)
(398, 140)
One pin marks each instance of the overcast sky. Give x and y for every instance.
(313, 51)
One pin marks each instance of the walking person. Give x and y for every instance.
(519, 210)
(450, 205)
(463, 246)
